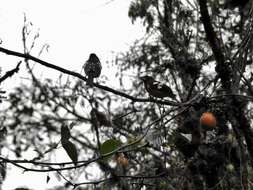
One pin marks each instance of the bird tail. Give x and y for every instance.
(90, 81)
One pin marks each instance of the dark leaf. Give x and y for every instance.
(65, 133)
(71, 150)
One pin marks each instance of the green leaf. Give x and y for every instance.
(65, 133)
(71, 150)
(109, 146)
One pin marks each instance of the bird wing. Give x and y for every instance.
(157, 85)
(163, 88)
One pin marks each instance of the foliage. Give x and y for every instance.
(203, 50)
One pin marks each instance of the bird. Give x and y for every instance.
(92, 68)
(157, 89)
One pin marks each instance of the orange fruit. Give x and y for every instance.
(208, 121)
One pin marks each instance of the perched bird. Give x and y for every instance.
(92, 68)
(157, 89)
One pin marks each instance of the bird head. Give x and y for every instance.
(147, 78)
(93, 57)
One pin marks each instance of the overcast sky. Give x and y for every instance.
(73, 29)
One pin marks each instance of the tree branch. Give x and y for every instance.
(210, 34)
(116, 92)
(221, 68)
(10, 73)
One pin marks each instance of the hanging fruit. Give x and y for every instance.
(208, 121)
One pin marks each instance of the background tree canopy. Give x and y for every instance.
(120, 138)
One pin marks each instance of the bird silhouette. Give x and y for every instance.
(92, 68)
(157, 89)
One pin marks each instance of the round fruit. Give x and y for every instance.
(208, 121)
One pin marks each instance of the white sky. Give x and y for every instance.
(73, 29)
